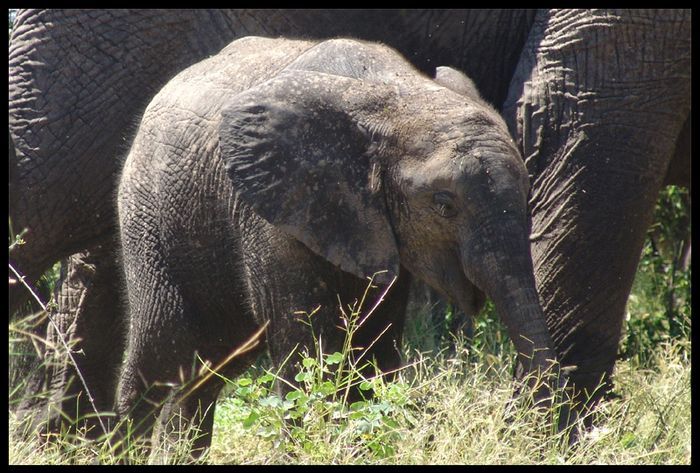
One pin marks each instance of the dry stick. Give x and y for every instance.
(65, 345)
(366, 350)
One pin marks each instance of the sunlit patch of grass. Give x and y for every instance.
(453, 410)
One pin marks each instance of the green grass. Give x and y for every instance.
(455, 409)
(440, 410)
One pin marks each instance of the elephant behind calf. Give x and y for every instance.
(277, 177)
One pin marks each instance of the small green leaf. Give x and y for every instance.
(391, 423)
(251, 419)
(328, 388)
(334, 359)
(358, 405)
(266, 378)
(628, 439)
(356, 415)
(303, 376)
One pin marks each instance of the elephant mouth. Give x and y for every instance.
(459, 290)
(472, 299)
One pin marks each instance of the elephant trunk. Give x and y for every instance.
(497, 260)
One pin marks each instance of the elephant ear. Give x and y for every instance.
(301, 161)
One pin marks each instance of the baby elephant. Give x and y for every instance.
(276, 178)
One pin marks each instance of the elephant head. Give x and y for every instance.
(374, 174)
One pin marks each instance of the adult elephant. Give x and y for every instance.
(75, 72)
(582, 95)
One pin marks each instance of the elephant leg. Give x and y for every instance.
(191, 408)
(91, 313)
(139, 404)
(168, 405)
(286, 350)
(597, 117)
(163, 376)
(88, 321)
(378, 337)
(138, 409)
(193, 414)
(161, 350)
(28, 378)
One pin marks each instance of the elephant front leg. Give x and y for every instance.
(380, 334)
(597, 105)
(369, 336)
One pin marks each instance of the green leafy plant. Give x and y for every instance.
(317, 403)
(659, 308)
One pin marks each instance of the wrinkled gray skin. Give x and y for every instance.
(595, 165)
(278, 175)
(600, 107)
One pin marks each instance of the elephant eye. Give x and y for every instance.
(444, 204)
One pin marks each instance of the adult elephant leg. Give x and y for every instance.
(89, 320)
(597, 104)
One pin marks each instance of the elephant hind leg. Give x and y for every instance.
(138, 410)
(164, 381)
(189, 413)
